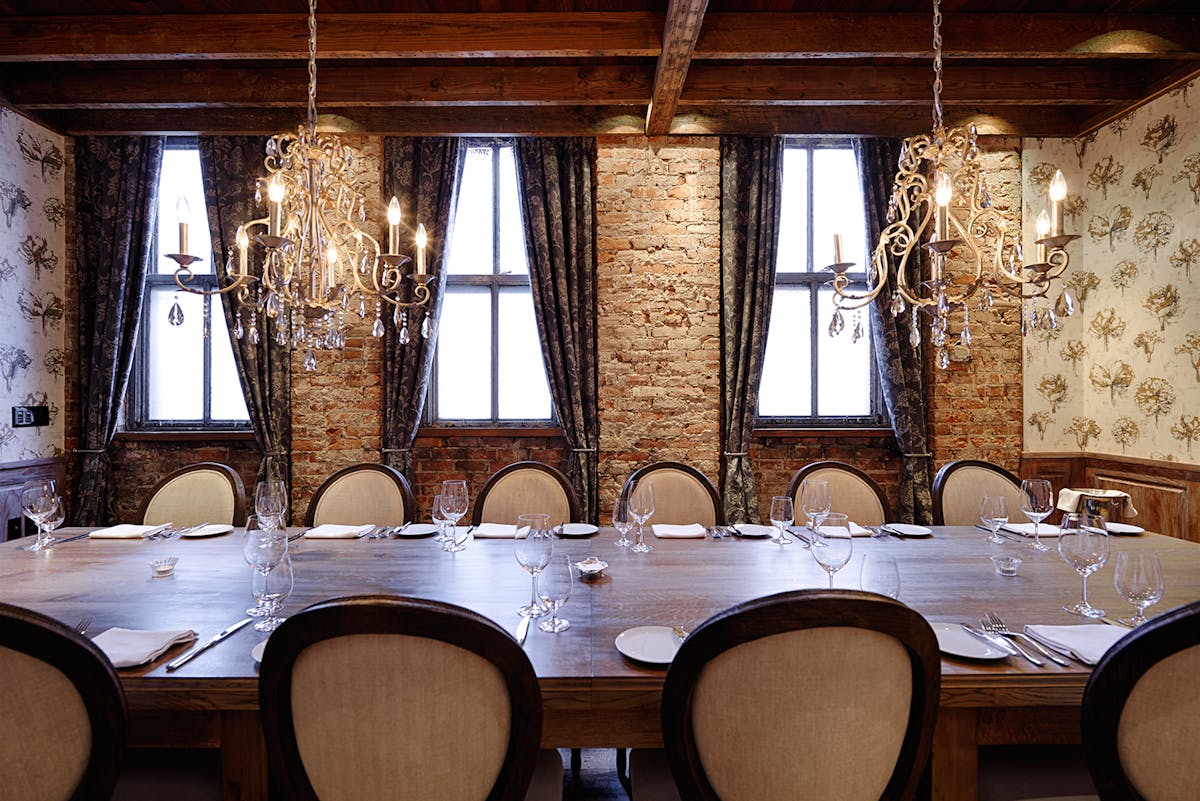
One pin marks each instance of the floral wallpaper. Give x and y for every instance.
(32, 252)
(1122, 374)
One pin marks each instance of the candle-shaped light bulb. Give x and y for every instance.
(276, 189)
(1043, 228)
(183, 215)
(942, 195)
(837, 248)
(945, 190)
(243, 243)
(275, 193)
(331, 260)
(1058, 193)
(422, 239)
(393, 218)
(1058, 187)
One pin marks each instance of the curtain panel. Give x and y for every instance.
(900, 366)
(116, 210)
(557, 178)
(423, 174)
(751, 175)
(229, 166)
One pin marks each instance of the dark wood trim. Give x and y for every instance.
(948, 469)
(428, 433)
(556, 474)
(235, 486)
(798, 611)
(402, 486)
(643, 472)
(775, 432)
(830, 464)
(680, 32)
(191, 435)
(394, 615)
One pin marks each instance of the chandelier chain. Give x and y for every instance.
(312, 65)
(937, 64)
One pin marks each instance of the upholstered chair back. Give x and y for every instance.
(206, 492)
(526, 488)
(851, 491)
(362, 494)
(960, 486)
(682, 494)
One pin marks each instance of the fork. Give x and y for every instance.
(83, 625)
(990, 627)
(992, 623)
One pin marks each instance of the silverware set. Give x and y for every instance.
(993, 630)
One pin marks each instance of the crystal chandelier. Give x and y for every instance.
(940, 202)
(308, 264)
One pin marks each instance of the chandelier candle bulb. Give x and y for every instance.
(275, 191)
(837, 248)
(1043, 228)
(941, 229)
(393, 218)
(422, 239)
(1058, 193)
(182, 216)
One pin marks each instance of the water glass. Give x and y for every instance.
(271, 589)
(815, 503)
(880, 574)
(1083, 544)
(39, 502)
(622, 522)
(270, 504)
(454, 506)
(1139, 579)
(993, 513)
(1037, 503)
(439, 519)
(641, 506)
(832, 544)
(533, 548)
(782, 516)
(554, 588)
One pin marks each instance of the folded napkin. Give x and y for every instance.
(333, 531)
(129, 647)
(690, 531)
(125, 531)
(1087, 643)
(1026, 529)
(1068, 499)
(855, 531)
(494, 531)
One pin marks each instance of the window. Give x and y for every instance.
(809, 377)
(184, 375)
(489, 368)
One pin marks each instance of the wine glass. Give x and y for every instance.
(1037, 502)
(439, 519)
(622, 522)
(271, 589)
(1139, 579)
(993, 513)
(454, 506)
(836, 544)
(880, 574)
(782, 516)
(262, 549)
(1083, 544)
(533, 546)
(39, 502)
(554, 588)
(270, 504)
(815, 503)
(641, 506)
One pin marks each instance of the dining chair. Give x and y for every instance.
(62, 711)
(361, 494)
(205, 492)
(852, 492)
(682, 494)
(379, 696)
(809, 693)
(525, 487)
(960, 485)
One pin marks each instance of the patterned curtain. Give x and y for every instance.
(899, 364)
(229, 166)
(422, 173)
(751, 171)
(116, 210)
(559, 210)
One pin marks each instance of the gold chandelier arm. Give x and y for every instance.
(184, 276)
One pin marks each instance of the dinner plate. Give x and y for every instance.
(578, 530)
(257, 651)
(1123, 528)
(953, 639)
(753, 530)
(417, 530)
(211, 530)
(653, 644)
(907, 530)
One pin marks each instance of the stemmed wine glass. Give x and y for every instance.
(880, 574)
(622, 522)
(554, 588)
(993, 513)
(641, 506)
(1037, 502)
(270, 504)
(271, 589)
(782, 516)
(454, 506)
(439, 519)
(1083, 543)
(263, 549)
(40, 503)
(533, 546)
(815, 503)
(836, 544)
(1139, 579)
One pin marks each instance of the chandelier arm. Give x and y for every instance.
(183, 278)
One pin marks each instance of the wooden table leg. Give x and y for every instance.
(955, 755)
(243, 757)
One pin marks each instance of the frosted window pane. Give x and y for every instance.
(471, 240)
(843, 366)
(228, 402)
(838, 208)
(512, 228)
(786, 388)
(524, 392)
(793, 213)
(464, 363)
(181, 178)
(176, 357)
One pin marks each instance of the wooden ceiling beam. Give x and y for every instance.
(680, 31)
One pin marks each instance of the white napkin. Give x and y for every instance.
(494, 531)
(690, 531)
(855, 531)
(125, 531)
(1087, 643)
(129, 647)
(333, 531)
(1026, 529)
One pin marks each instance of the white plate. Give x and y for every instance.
(908, 530)
(753, 530)
(953, 639)
(257, 651)
(654, 644)
(1123, 528)
(211, 530)
(578, 529)
(417, 530)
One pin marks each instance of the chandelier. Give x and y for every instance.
(940, 203)
(307, 265)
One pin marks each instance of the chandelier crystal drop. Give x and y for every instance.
(940, 206)
(308, 264)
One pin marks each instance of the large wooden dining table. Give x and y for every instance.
(592, 695)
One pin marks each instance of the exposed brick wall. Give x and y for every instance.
(139, 464)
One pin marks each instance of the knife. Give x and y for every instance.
(61, 540)
(179, 662)
(522, 631)
(998, 642)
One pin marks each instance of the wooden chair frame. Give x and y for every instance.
(948, 469)
(395, 475)
(1112, 681)
(644, 472)
(92, 674)
(556, 474)
(793, 611)
(389, 614)
(793, 489)
(231, 475)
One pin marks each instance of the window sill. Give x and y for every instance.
(821, 433)
(443, 432)
(181, 435)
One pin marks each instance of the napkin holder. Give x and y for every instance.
(1112, 505)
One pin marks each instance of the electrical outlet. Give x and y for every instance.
(28, 416)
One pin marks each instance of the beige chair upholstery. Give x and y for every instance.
(200, 493)
(852, 492)
(526, 488)
(960, 486)
(682, 494)
(362, 494)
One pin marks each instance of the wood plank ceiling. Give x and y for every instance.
(561, 67)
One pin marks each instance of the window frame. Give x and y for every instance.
(816, 280)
